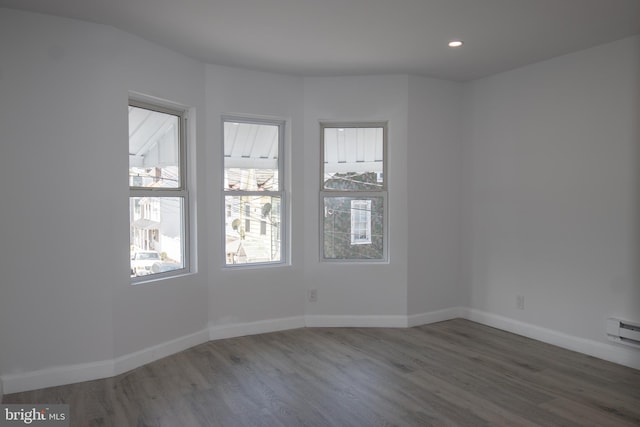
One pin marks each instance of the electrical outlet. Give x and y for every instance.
(520, 302)
(313, 295)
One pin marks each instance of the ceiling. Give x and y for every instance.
(347, 37)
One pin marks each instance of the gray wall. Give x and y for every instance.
(254, 294)
(552, 190)
(65, 291)
(434, 189)
(357, 288)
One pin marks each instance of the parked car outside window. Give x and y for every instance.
(145, 262)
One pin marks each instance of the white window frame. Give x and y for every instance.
(382, 192)
(179, 192)
(281, 192)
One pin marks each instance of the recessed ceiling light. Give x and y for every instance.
(456, 43)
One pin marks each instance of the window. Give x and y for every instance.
(361, 222)
(353, 192)
(253, 191)
(158, 197)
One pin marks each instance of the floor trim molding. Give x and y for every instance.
(69, 374)
(217, 332)
(61, 375)
(56, 375)
(356, 321)
(435, 316)
(136, 359)
(612, 352)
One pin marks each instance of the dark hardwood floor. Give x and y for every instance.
(454, 373)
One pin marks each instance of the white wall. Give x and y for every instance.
(65, 294)
(434, 195)
(553, 191)
(241, 295)
(352, 288)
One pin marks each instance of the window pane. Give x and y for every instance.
(353, 159)
(154, 148)
(156, 234)
(353, 228)
(251, 156)
(253, 229)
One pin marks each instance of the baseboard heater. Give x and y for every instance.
(623, 331)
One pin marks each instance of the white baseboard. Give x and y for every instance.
(61, 375)
(388, 321)
(384, 321)
(69, 374)
(435, 316)
(615, 353)
(217, 332)
(57, 375)
(134, 360)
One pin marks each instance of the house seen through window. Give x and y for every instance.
(157, 191)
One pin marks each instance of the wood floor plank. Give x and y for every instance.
(583, 414)
(454, 373)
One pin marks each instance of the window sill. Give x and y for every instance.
(160, 277)
(261, 266)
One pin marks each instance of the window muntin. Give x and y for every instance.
(157, 189)
(353, 192)
(253, 191)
